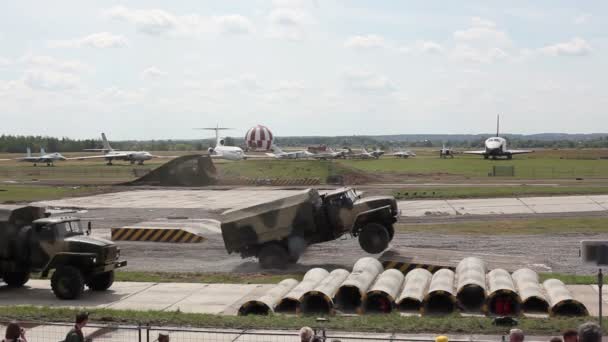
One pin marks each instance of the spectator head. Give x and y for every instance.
(82, 318)
(570, 335)
(589, 332)
(441, 338)
(555, 339)
(306, 334)
(163, 337)
(516, 335)
(13, 331)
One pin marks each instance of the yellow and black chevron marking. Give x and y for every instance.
(154, 235)
(405, 267)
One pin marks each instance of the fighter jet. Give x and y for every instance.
(221, 151)
(364, 154)
(446, 152)
(280, 154)
(110, 154)
(402, 154)
(329, 154)
(497, 146)
(45, 158)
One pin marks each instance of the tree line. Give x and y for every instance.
(19, 143)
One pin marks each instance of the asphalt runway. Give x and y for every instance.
(559, 252)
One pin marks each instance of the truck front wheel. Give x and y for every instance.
(67, 282)
(101, 282)
(273, 255)
(16, 279)
(374, 238)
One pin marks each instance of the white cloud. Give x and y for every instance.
(152, 21)
(50, 80)
(482, 32)
(152, 73)
(474, 55)
(582, 19)
(54, 64)
(370, 41)
(430, 47)
(234, 24)
(574, 47)
(365, 81)
(288, 23)
(4, 62)
(101, 40)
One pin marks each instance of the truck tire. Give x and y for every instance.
(391, 232)
(67, 282)
(101, 282)
(16, 279)
(273, 255)
(374, 238)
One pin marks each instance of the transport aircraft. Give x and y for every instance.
(497, 146)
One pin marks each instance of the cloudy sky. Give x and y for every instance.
(155, 69)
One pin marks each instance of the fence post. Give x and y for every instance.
(147, 332)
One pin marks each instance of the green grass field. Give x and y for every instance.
(28, 193)
(365, 323)
(494, 191)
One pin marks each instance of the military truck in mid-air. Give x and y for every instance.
(32, 242)
(277, 232)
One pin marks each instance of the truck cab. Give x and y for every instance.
(59, 245)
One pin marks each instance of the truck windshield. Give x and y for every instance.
(71, 227)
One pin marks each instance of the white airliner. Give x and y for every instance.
(112, 154)
(221, 151)
(497, 147)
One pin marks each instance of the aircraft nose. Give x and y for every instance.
(493, 145)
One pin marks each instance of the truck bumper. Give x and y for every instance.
(110, 267)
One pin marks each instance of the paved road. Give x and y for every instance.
(220, 200)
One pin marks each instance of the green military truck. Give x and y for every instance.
(32, 242)
(277, 232)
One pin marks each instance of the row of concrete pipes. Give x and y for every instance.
(370, 288)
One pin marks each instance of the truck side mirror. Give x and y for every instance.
(89, 228)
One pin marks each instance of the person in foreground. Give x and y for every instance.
(14, 333)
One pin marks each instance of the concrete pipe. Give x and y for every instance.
(415, 286)
(290, 303)
(320, 299)
(266, 304)
(531, 293)
(351, 293)
(561, 302)
(471, 283)
(502, 299)
(383, 293)
(441, 298)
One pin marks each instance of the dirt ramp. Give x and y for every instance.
(191, 170)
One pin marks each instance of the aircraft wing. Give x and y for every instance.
(519, 151)
(474, 152)
(102, 156)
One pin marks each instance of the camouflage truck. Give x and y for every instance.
(30, 241)
(277, 232)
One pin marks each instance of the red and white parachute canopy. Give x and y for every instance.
(259, 138)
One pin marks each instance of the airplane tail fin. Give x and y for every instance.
(106, 144)
(276, 149)
(42, 151)
(29, 152)
(497, 124)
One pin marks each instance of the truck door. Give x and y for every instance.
(42, 242)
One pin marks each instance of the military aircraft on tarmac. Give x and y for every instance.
(43, 158)
(364, 154)
(329, 154)
(280, 154)
(110, 154)
(497, 146)
(221, 151)
(402, 154)
(446, 152)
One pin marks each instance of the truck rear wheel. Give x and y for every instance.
(16, 279)
(273, 255)
(67, 282)
(374, 238)
(101, 282)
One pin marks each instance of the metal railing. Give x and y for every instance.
(53, 332)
